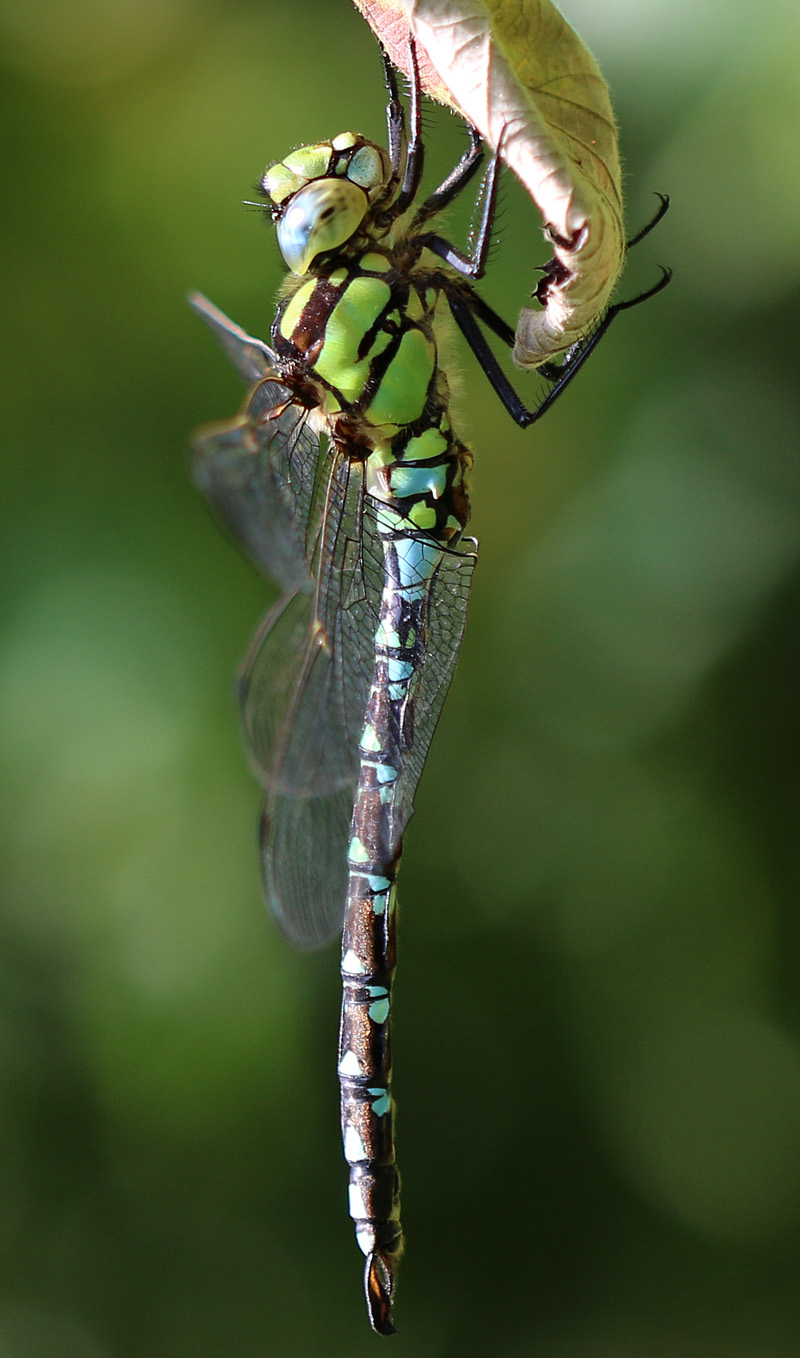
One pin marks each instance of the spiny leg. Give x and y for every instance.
(395, 116)
(457, 180)
(575, 357)
(488, 317)
(555, 272)
(415, 151)
(472, 264)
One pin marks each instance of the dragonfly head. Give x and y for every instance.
(320, 195)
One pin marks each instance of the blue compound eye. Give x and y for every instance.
(320, 217)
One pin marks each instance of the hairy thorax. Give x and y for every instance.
(358, 342)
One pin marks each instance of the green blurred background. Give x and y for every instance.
(597, 1059)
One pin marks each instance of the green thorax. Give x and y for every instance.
(364, 339)
(359, 342)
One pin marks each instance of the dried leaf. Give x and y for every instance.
(517, 70)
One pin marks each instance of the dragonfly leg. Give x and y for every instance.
(412, 173)
(455, 182)
(472, 264)
(395, 116)
(379, 1290)
(415, 151)
(661, 211)
(466, 315)
(478, 343)
(563, 373)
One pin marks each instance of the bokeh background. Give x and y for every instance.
(597, 1057)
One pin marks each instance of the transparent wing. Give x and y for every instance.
(295, 505)
(447, 617)
(299, 510)
(304, 692)
(251, 357)
(259, 470)
(448, 602)
(303, 719)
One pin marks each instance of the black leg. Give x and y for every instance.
(465, 315)
(563, 373)
(556, 273)
(415, 151)
(489, 317)
(395, 117)
(469, 310)
(472, 265)
(645, 231)
(478, 343)
(457, 180)
(480, 309)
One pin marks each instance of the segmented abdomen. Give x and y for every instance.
(368, 941)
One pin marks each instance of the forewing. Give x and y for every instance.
(259, 470)
(251, 357)
(295, 505)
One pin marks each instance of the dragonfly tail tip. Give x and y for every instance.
(379, 1291)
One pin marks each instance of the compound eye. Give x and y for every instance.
(320, 217)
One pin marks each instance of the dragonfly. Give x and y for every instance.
(345, 481)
